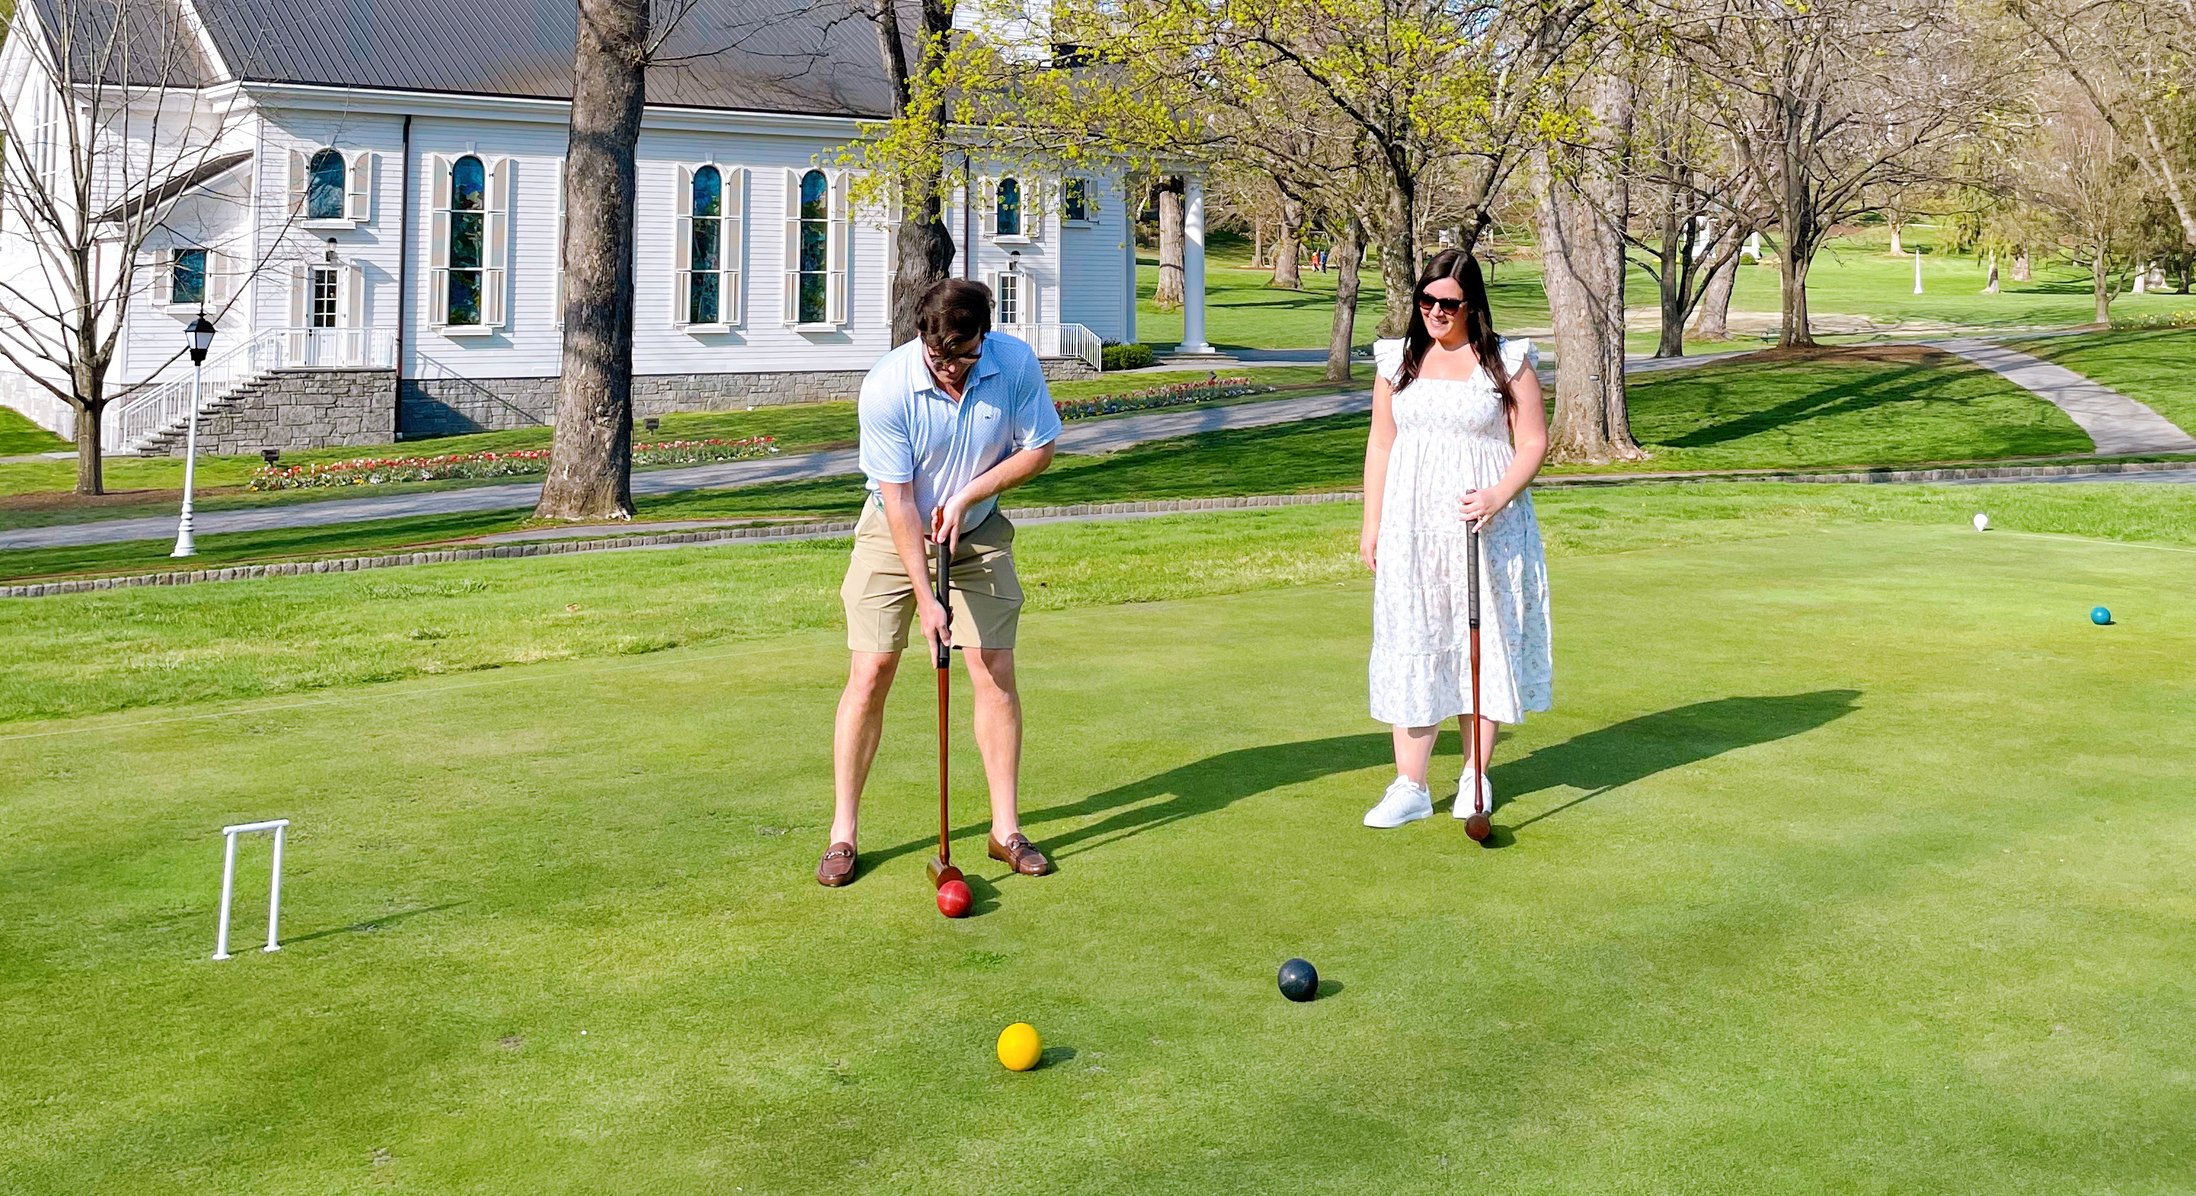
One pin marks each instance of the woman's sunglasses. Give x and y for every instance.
(1448, 306)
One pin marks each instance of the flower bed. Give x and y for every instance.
(375, 471)
(1177, 394)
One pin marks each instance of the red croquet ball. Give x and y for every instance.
(954, 899)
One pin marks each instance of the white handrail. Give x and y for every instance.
(1062, 340)
(162, 405)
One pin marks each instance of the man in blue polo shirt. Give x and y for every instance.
(948, 421)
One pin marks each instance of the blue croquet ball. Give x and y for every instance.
(2100, 616)
(1299, 980)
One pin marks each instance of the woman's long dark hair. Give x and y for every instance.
(1479, 328)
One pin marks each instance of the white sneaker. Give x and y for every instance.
(1403, 802)
(1462, 807)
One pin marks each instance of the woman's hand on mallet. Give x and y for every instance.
(1479, 507)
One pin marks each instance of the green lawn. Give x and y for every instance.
(1870, 406)
(18, 435)
(2153, 367)
(1854, 276)
(1793, 891)
(797, 427)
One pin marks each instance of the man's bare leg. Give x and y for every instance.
(860, 724)
(998, 733)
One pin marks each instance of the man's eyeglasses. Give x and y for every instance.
(939, 356)
(1448, 306)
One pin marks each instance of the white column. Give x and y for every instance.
(1193, 265)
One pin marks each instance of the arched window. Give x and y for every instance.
(815, 246)
(705, 285)
(1009, 213)
(468, 238)
(324, 186)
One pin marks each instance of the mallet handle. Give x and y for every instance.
(1471, 614)
(943, 658)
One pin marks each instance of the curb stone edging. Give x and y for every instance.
(840, 527)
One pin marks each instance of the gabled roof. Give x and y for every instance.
(206, 171)
(143, 43)
(815, 57)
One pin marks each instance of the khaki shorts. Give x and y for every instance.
(986, 602)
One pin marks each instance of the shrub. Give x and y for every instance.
(1177, 394)
(2185, 318)
(1127, 357)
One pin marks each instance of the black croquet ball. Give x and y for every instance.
(1299, 980)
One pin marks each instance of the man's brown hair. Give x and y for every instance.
(954, 312)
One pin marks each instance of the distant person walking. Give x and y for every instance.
(1458, 432)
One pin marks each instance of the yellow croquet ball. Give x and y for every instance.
(1019, 1047)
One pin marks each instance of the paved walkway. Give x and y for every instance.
(2116, 423)
(1089, 436)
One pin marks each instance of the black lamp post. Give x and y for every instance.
(201, 334)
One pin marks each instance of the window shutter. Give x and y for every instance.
(300, 165)
(351, 297)
(561, 165)
(1036, 207)
(793, 246)
(163, 281)
(987, 198)
(991, 279)
(358, 195)
(682, 248)
(220, 268)
(438, 248)
(301, 279)
(841, 231)
(733, 246)
(497, 226)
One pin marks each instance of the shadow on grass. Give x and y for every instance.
(1621, 753)
(1596, 761)
(373, 924)
(1908, 385)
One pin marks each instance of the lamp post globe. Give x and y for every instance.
(201, 335)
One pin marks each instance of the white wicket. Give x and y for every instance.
(228, 881)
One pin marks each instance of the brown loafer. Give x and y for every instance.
(837, 866)
(1019, 852)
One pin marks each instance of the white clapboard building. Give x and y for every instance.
(374, 202)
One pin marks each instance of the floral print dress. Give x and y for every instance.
(1452, 435)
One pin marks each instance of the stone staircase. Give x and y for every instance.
(169, 439)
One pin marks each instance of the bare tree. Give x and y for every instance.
(111, 129)
(2130, 59)
(1691, 194)
(1832, 106)
(2081, 185)
(1584, 207)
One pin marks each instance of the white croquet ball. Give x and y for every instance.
(1982, 522)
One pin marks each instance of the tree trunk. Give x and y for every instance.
(1674, 274)
(1898, 249)
(1714, 317)
(1991, 287)
(1288, 250)
(1581, 222)
(923, 244)
(91, 475)
(2020, 265)
(1168, 296)
(1258, 244)
(1792, 264)
(2098, 291)
(1347, 256)
(1398, 254)
(591, 457)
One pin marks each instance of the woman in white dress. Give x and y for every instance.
(1458, 431)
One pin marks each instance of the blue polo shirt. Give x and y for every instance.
(913, 431)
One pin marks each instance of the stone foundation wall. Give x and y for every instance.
(301, 409)
(452, 406)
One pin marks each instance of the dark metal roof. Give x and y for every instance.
(794, 56)
(204, 172)
(144, 43)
